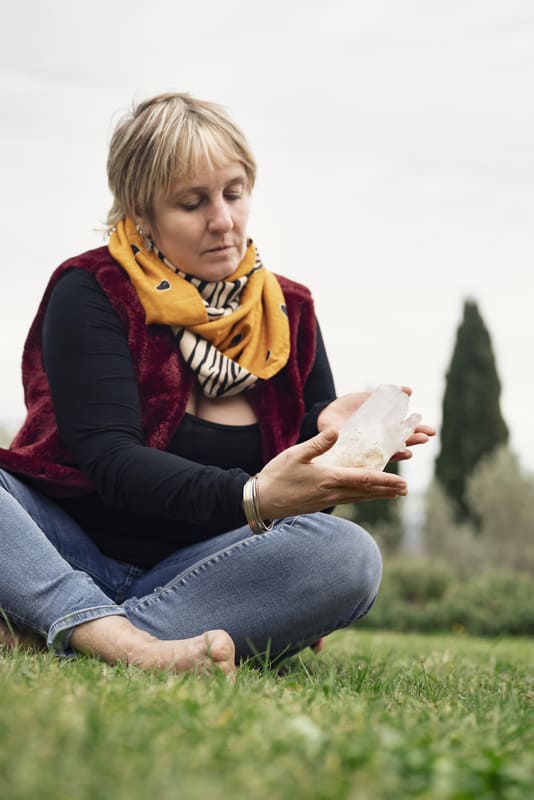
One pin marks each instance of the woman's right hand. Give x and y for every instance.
(292, 483)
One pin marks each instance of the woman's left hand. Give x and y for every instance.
(421, 435)
(336, 413)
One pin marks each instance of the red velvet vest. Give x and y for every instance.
(165, 382)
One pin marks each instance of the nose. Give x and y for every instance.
(220, 220)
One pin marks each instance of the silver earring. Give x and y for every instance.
(149, 244)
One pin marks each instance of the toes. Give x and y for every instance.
(221, 649)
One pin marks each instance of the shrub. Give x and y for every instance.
(417, 582)
(409, 586)
(493, 604)
(457, 543)
(502, 496)
(421, 595)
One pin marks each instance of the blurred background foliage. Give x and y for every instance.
(472, 423)
(473, 566)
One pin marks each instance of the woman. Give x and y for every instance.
(169, 378)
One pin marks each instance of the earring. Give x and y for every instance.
(149, 244)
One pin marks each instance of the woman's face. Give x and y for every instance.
(201, 225)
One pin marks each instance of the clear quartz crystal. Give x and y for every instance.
(375, 432)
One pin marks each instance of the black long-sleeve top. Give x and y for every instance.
(148, 502)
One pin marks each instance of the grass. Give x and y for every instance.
(377, 715)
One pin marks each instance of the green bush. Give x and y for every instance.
(418, 582)
(500, 495)
(409, 587)
(492, 604)
(445, 539)
(426, 596)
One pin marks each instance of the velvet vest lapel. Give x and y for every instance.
(37, 453)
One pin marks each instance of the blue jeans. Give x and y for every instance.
(278, 591)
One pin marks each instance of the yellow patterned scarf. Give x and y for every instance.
(229, 342)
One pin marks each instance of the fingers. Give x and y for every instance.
(418, 438)
(402, 455)
(316, 446)
(362, 493)
(354, 484)
(428, 429)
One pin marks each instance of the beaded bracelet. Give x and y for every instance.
(251, 507)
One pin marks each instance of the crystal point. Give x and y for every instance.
(377, 430)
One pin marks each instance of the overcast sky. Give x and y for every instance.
(396, 165)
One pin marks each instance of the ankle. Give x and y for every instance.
(113, 639)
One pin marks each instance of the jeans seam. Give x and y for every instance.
(132, 575)
(75, 564)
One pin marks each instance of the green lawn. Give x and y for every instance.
(377, 715)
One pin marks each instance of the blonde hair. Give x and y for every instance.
(162, 141)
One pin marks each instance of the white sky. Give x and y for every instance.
(396, 165)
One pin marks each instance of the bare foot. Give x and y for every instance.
(114, 639)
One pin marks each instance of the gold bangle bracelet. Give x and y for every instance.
(251, 507)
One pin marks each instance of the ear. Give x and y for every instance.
(141, 220)
(144, 229)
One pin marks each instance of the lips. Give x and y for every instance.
(220, 249)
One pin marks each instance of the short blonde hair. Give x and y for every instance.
(162, 141)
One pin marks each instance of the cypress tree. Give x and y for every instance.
(472, 424)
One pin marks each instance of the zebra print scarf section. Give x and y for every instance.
(217, 374)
